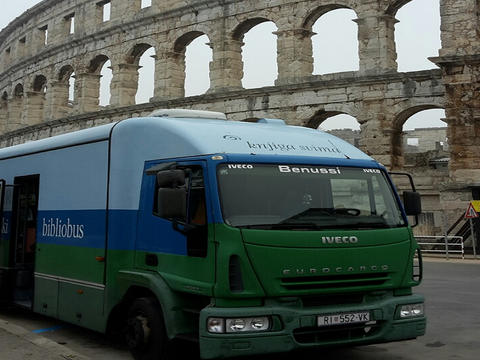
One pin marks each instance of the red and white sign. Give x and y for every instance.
(471, 213)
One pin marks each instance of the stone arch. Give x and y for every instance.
(64, 73)
(246, 26)
(176, 62)
(198, 66)
(58, 96)
(314, 15)
(184, 40)
(246, 70)
(66, 80)
(126, 75)
(87, 84)
(375, 31)
(406, 113)
(40, 83)
(92, 79)
(396, 132)
(319, 117)
(34, 102)
(18, 91)
(170, 63)
(412, 48)
(96, 64)
(334, 40)
(260, 71)
(329, 111)
(136, 53)
(397, 5)
(15, 108)
(147, 55)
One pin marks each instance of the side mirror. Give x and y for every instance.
(172, 199)
(172, 202)
(170, 178)
(412, 203)
(411, 199)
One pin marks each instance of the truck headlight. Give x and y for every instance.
(216, 325)
(235, 325)
(411, 310)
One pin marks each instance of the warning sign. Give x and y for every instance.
(471, 212)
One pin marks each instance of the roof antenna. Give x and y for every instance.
(341, 152)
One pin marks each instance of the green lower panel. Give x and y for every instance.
(46, 296)
(78, 303)
(81, 305)
(72, 262)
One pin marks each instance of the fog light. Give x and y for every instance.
(411, 310)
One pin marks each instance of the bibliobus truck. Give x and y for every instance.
(246, 238)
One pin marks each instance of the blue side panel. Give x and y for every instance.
(122, 229)
(82, 228)
(157, 235)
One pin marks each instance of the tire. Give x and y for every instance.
(145, 334)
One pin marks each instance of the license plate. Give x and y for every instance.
(346, 318)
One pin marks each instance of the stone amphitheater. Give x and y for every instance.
(55, 41)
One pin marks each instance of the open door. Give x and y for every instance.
(23, 239)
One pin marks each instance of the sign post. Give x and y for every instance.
(471, 214)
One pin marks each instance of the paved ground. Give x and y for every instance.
(16, 343)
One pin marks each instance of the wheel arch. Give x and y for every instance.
(140, 284)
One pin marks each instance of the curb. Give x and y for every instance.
(37, 340)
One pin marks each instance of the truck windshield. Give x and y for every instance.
(276, 197)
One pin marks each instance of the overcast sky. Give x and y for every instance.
(417, 38)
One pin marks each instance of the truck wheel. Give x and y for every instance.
(145, 331)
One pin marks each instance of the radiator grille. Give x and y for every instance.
(334, 281)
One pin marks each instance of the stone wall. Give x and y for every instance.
(35, 68)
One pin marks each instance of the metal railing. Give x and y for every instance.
(442, 244)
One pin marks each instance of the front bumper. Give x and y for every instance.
(295, 327)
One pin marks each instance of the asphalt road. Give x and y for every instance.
(452, 290)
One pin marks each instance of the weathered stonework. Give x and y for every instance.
(39, 53)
